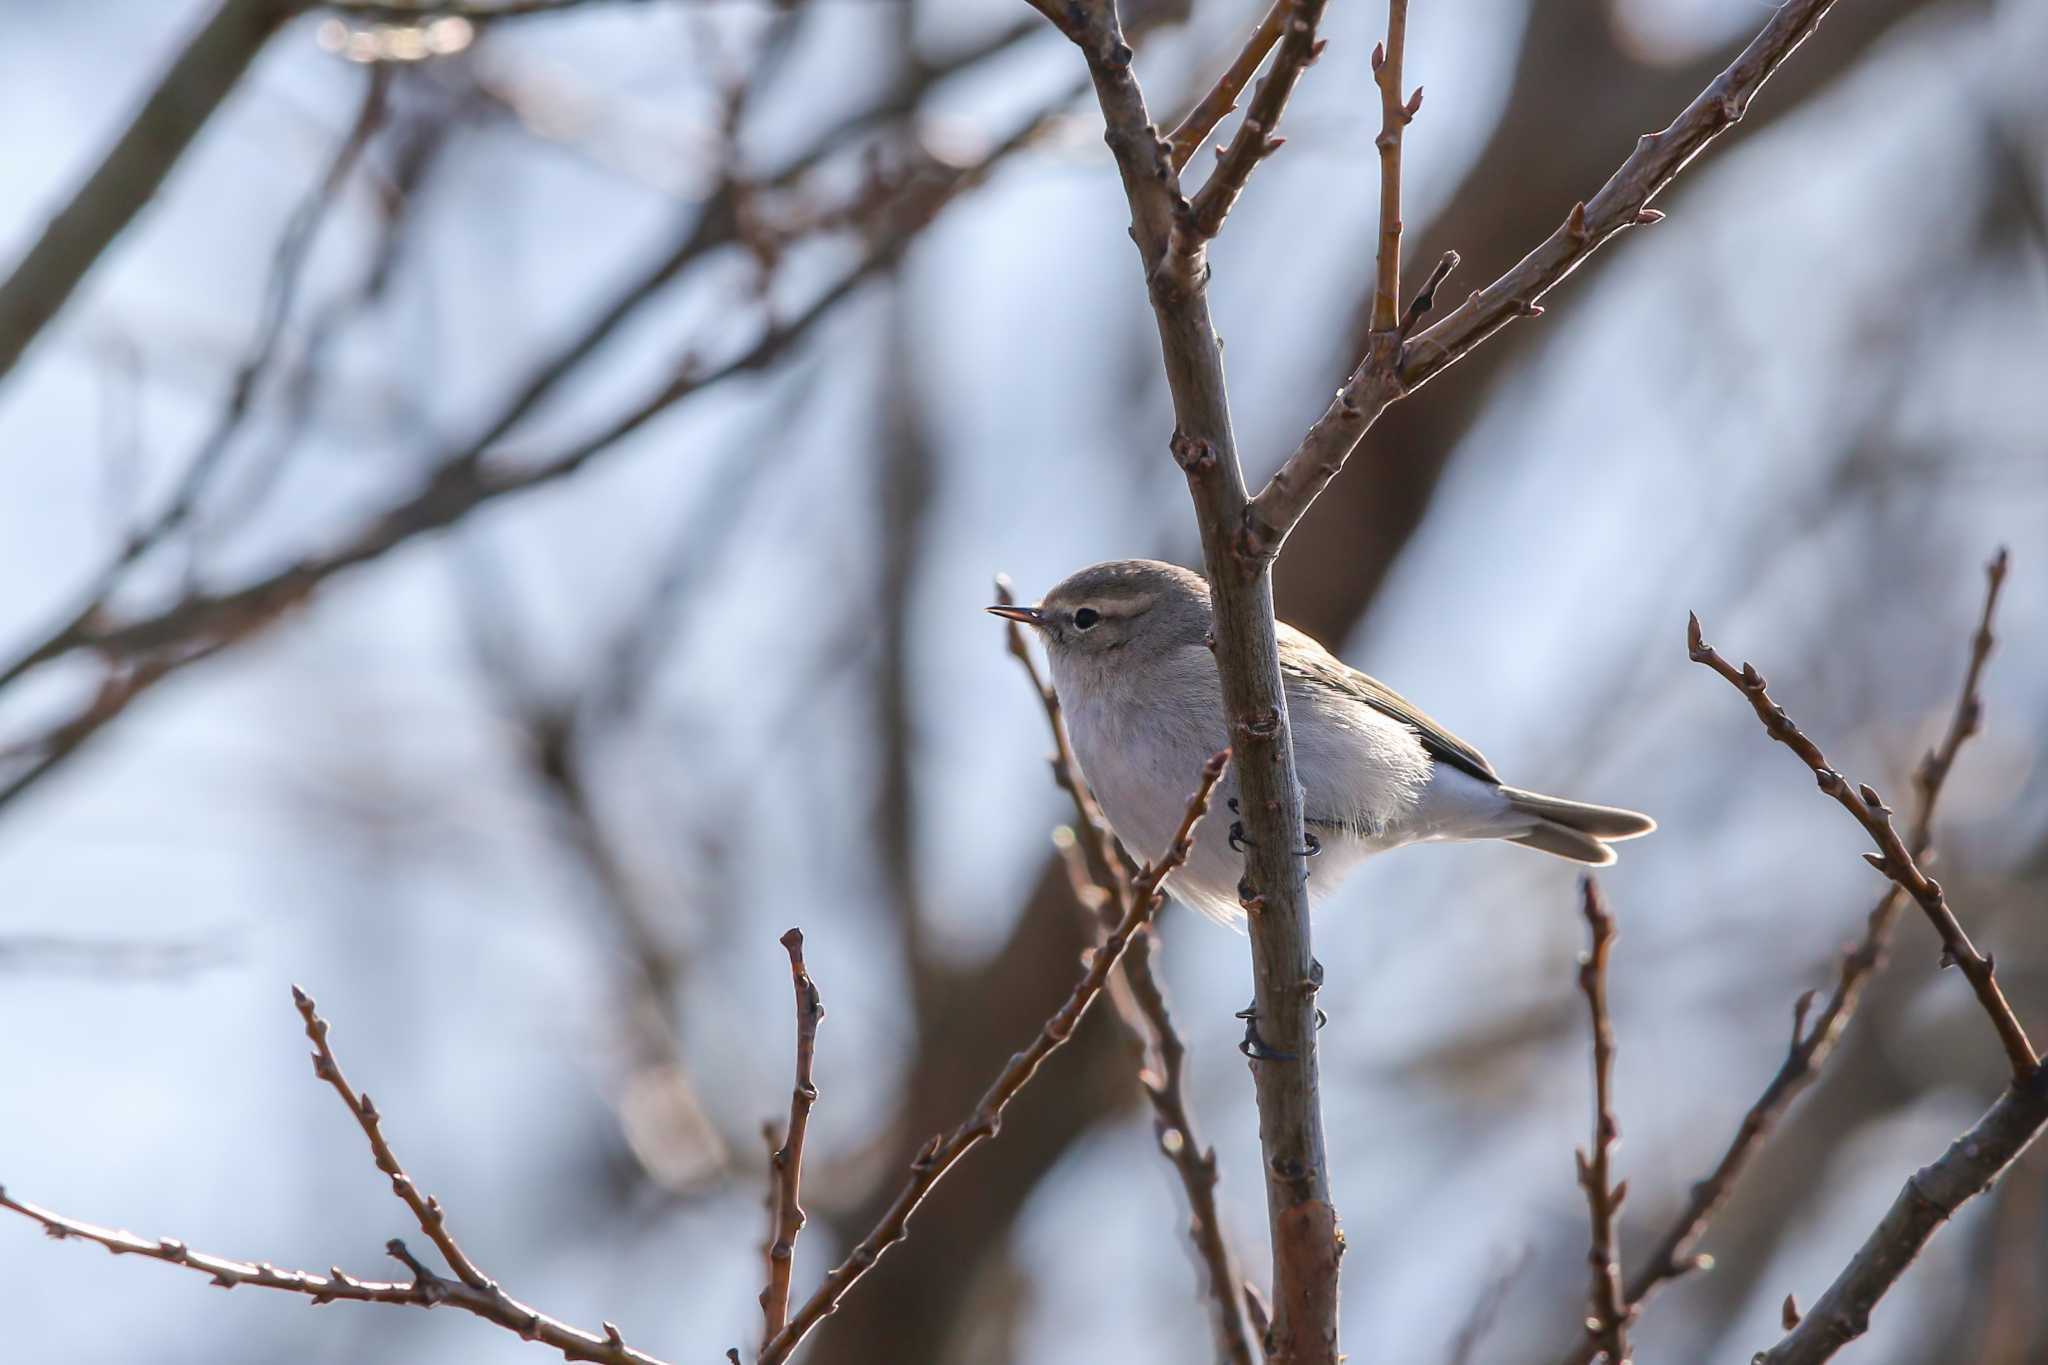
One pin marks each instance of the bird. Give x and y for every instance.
(1135, 673)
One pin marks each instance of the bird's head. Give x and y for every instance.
(1108, 607)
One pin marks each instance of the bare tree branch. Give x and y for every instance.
(943, 1152)
(1935, 1192)
(472, 1291)
(1893, 859)
(208, 68)
(1930, 1197)
(288, 261)
(1221, 101)
(788, 1161)
(203, 622)
(1621, 203)
(1254, 140)
(1396, 113)
(425, 1208)
(1241, 537)
(1607, 1324)
(1672, 1256)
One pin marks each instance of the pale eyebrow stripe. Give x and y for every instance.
(1128, 606)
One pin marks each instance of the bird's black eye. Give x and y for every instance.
(1086, 617)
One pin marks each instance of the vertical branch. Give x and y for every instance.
(1607, 1323)
(1395, 115)
(788, 1161)
(1171, 235)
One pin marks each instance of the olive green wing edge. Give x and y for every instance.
(1312, 660)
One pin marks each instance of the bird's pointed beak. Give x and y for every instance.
(1030, 616)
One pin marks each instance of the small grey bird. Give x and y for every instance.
(1132, 666)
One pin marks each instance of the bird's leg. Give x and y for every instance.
(1239, 841)
(1253, 1045)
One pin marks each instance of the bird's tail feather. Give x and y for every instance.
(1574, 829)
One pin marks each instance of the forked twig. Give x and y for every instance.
(941, 1153)
(472, 1291)
(1673, 1257)
(1254, 140)
(1623, 202)
(1893, 858)
(1221, 100)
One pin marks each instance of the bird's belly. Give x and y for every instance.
(1142, 766)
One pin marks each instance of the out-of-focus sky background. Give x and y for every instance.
(1808, 406)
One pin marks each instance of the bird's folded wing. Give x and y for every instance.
(1301, 656)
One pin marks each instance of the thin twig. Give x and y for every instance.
(208, 68)
(1607, 1323)
(1164, 1080)
(287, 266)
(1221, 101)
(426, 1209)
(1893, 858)
(459, 484)
(472, 1291)
(788, 1161)
(941, 1153)
(1673, 1256)
(1621, 203)
(1254, 140)
(1425, 297)
(1395, 115)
